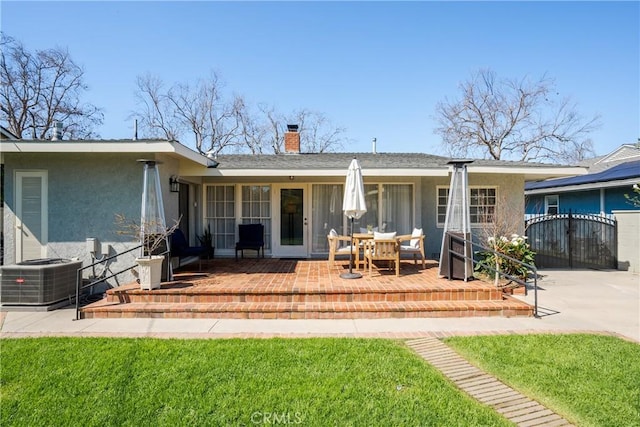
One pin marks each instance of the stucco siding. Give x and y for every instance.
(628, 232)
(85, 192)
(510, 202)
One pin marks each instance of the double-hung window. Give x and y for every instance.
(256, 208)
(482, 205)
(551, 204)
(220, 215)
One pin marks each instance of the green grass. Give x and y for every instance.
(592, 380)
(150, 382)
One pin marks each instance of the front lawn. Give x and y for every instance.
(150, 382)
(592, 380)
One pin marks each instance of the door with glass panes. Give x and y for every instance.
(290, 226)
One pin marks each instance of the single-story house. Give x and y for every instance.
(57, 194)
(601, 191)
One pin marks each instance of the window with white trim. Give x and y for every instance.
(327, 214)
(482, 204)
(220, 215)
(390, 207)
(551, 204)
(256, 208)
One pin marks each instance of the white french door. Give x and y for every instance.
(291, 224)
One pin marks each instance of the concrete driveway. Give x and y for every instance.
(599, 300)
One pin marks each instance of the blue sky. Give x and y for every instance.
(376, 68)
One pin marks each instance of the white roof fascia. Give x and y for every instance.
(582, 187)
(529, 171)
(190, 154)
(403, 172)
(89, 147)
(314, 172)
(16, 146)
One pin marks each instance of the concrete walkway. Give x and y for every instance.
(569, 301)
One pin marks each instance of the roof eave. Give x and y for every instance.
(582, 187)
(443, 172)
(537, 173)
(142, 146)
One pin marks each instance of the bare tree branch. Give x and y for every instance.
(154, 118)
(219, 123)
(200, 110)
(514, 120)
(317, 133)
(41, 88)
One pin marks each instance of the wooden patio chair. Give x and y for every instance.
(415, 245)
(382, 250)
(337, 245)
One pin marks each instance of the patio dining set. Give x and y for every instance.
(368, 249)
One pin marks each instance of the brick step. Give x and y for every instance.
(309, 310)
(211, 294)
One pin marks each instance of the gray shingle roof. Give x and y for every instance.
(321, 161)
(341, 161)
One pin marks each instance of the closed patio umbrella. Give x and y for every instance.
(353, 206)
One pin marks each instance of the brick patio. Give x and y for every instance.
(305, 289)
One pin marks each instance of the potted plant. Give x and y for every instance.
(153, 236)
(206, 240)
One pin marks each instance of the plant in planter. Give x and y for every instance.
(153, 237)
(516, 248)
(206, 240)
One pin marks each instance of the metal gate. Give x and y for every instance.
(573, 240)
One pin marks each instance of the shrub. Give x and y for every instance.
(516, 248)
(634, 199)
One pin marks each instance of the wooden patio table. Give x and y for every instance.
(357, 239)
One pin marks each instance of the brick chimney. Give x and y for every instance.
(292, 140)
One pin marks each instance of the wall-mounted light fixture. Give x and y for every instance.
(174, 185)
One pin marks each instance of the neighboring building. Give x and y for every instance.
(58, 194)
(601, 191)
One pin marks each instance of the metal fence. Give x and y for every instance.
(456, 254)
(82, 285)
(573, 240)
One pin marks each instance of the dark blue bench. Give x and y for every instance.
(250, 236)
